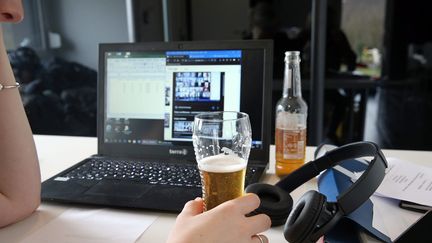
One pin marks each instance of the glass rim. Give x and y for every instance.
(201, 116)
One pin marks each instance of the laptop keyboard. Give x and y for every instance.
(150, 172)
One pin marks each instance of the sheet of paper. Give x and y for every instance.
(389, 218)
(86, 225)
(407, 181)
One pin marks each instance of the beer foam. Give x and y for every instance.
(222, 163)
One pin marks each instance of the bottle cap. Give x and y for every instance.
(292, 56)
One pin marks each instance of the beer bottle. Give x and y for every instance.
(291, 113)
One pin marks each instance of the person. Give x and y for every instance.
(20, 178)
(338, 49)
(265, 24)
(205, 90)
(338, 53)
(19, 168)
(225, 223)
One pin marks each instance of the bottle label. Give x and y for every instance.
(294, 142)
(286, 120)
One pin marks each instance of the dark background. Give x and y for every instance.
(390, 39)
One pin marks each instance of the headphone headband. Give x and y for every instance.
(363, 188)
(312, 215)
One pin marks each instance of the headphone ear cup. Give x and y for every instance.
(275, 202)
(302, 220)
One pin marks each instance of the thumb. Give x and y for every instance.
(192, 208)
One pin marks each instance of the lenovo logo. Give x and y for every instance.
(178, 151)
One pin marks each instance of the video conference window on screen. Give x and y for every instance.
(152, 97)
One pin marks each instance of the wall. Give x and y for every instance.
(83, 24)
(219, 20)
(148, 20)
(178, 20)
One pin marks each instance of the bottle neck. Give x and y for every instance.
(292, 83)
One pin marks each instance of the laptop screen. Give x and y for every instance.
(152, 96)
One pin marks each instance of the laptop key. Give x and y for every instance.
(147, 172)
(143, 171)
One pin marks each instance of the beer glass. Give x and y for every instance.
(222, 142)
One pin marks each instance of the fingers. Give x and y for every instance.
(260, 239)
(259, 223)
(192, 208)
(247, 203)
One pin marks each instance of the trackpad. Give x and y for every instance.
(118, 188)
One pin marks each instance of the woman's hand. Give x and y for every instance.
(225, 223)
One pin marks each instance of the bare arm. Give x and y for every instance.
(19, 169)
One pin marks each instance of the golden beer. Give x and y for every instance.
(222, 179)
(290, 150)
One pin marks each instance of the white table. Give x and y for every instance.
(59, 152)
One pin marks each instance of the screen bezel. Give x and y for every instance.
(162, 151)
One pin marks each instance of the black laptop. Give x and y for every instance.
(148, 94)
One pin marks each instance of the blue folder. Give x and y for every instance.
(331, 183)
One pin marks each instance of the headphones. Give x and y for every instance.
(313, 216)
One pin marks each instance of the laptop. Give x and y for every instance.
(148, 95)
